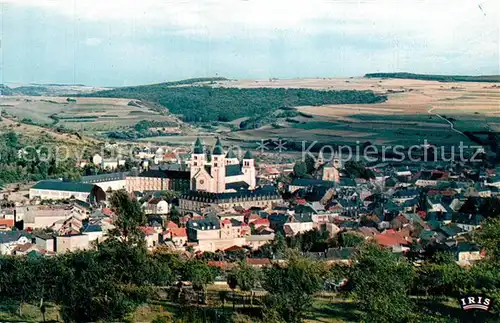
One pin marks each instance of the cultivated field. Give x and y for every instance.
(86, 115)
(409, 116)
(415, 111)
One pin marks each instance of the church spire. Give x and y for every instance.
(218, 148)
(198, 146)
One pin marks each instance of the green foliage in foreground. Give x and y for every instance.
(440, 78)
(32, 165)
(205, 103)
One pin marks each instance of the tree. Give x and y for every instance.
(489, 237)
(299, 169)
(292, 285)
(199, 274)
(381, 285)
(350, 239)
(247, 277)
(129, 217)
(310, 164)
(174, 214)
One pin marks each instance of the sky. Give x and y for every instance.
(130, 42)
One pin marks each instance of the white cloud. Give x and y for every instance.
(92, 41)
(429, 28)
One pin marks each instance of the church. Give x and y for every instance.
(220, 172)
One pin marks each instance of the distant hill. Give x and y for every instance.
(203, 102)
(440, 78)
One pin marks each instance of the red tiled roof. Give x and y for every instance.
(178, 232)
(226, 221)
(220, 264)
(261, 222)
(253, 217)
(9, 223)
(148, 230)
(258, 261)
(172, 225)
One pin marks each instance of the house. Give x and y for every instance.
(301, 183)
(468, 222)
(45, 241)
(6, 224)
(156, 206)
(298, 223)
(24, 249)
(151, 236)
(196, 201)
(466, 253)
(176, 179)
(61, 190)
(71, 243)
(108, 182)
(94, 232)
(178, 236)
(451, 230)
(401, 196)
(10, 239)
(258, 262)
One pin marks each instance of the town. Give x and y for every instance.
(210, 204)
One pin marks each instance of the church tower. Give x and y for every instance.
(218, 169)
(248, 170)
(198, 160)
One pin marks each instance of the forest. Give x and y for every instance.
(440, 78)
(206, 103)
(19, 160)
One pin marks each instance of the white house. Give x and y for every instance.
(10, 239)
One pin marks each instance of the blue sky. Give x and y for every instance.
(128, 42)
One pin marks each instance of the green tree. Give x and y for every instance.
(299, 169)
(489, 238)
(129, 217)
(291, 286)
(310, 164)
(382, 282)
(199, 274)
(247, 277)
(350, 239)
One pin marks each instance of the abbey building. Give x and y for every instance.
(220, 172)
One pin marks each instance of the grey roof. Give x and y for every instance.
(198, 146)
(230, 154)
(93, 228)
(233, 170)
(209, 223)
(406, 193)
(64, 186)
(104, 177)
(237, 185)
(11, 236)
(264, 192)
(311, 182)
(248, 155)
(157, 173)
(218, 150)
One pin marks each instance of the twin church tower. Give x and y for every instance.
(221, 172)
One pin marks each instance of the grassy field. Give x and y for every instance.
(325, 309)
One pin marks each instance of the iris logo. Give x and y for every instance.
(475, 302)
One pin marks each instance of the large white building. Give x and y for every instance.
(60, 190)
(223, 173)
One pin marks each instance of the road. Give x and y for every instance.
(452, 126)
